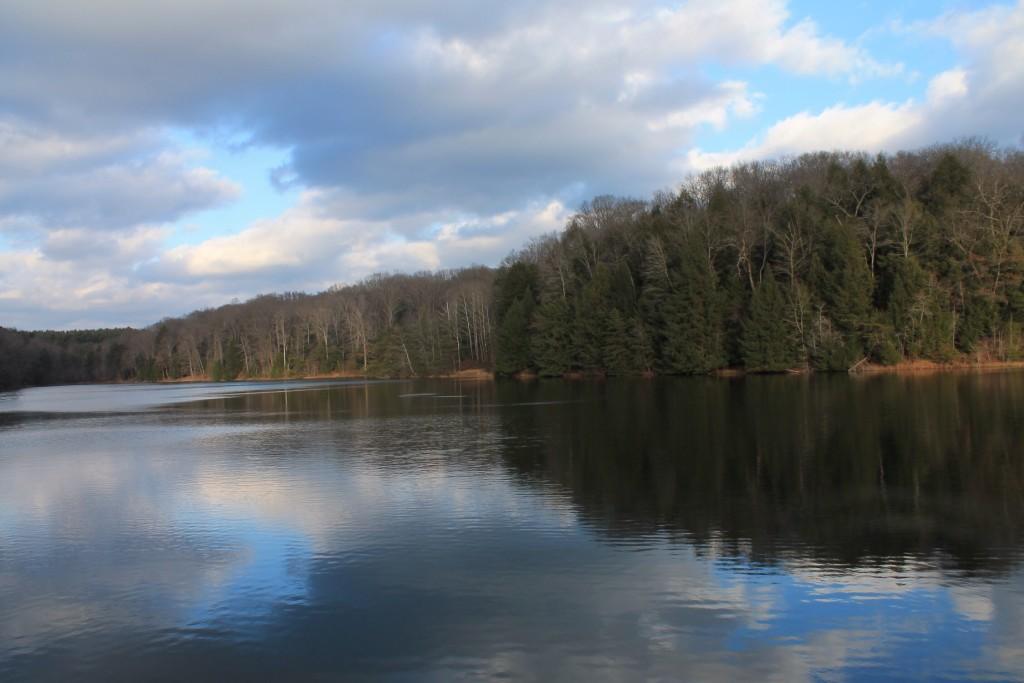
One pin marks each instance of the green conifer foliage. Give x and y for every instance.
(233, 362)
(768, 342)
(980, 319)
(513, 353)
(388, 355)
(920, 313)
(844, 280)
(620, 354)
(657, 287)
(553, 337)
(643, 347)
(693, 338)
(591, 324)
(515, 292)
(905, 304)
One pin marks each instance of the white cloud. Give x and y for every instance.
(760, 32)
(38, 291)
(733, 101)
(311, 246)
(305, 247)
(427, 134)
(31, 149)
(982, 96)
(422, 93)
(78, 279)
(869, 127)
(947, 85)
(123, 248)
(62, 179)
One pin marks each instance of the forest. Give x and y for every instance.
(818, 262)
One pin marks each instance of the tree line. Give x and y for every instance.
(386, 326)
(820, 262)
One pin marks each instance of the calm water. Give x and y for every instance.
(769, 528)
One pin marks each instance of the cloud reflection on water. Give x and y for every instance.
(403, 542)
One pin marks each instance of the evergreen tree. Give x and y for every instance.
(553, 337)
(643, 347)
(591, 324)
(233, 362)
(619, 350)
(946, 186)
(388, 355)
(515, 297)
(513, 340)
(768, 342)
(844, 280)
(448, 352)
(693, 338)
(919, 313)
(145, 368)
(979, 321)
(512, 282)
(657, 287)
(904, 306)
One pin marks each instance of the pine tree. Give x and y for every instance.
(515, 296)
(980, 316)
(768, 342)
(591, 324)
(844, 280)
(388, 355)
(447, 350)
(919, 314)
(517, 281)
(909, 281)
(553, 337)
(693, 340)
(656, 288)
(619, 354)
(232, 365)
(513, 352)
(643, 347)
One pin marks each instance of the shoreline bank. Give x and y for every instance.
(926, 367)
(471, 375)
(907, 368)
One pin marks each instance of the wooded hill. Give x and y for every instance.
(815, 262)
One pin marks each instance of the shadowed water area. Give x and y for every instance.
(775, 528)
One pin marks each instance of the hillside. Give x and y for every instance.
(819, 262)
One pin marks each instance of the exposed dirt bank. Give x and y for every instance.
(918, 367)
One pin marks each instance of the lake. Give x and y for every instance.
(769, 528)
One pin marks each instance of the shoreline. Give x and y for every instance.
(928, 367)
(912, 367)
(469, 375)
(906, 368)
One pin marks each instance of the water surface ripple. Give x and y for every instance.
(690, 529)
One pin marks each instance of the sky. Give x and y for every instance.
(157, 159)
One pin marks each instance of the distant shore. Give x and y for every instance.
(470, 375)
(910, 368)
(914, 367)
(921, 367)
